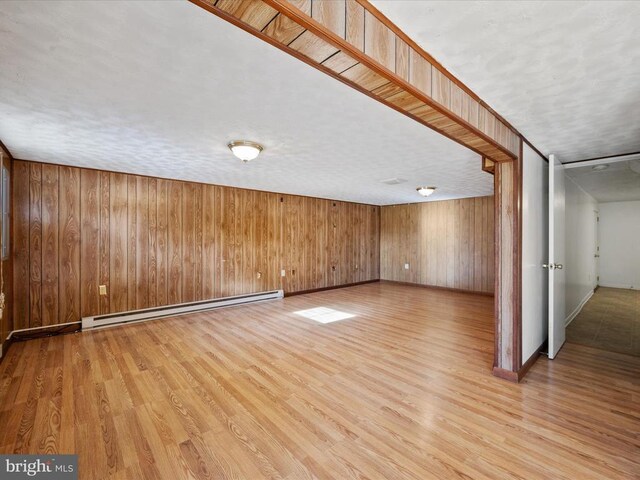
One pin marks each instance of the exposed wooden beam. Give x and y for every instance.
(348, 41)
(488, 165)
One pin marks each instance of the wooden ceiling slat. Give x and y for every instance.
(283, 29)
(255, 14)
(405, 100)
(339, 62)
(313, 47)
(388, 90)
(365, 77)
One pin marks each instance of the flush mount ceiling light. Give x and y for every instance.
(244, 150)
(426, 191)
(599, 168)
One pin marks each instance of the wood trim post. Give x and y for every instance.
(508, 261)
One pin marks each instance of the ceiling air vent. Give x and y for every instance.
(393, 181)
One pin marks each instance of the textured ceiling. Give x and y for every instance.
(566, 74)
(159, 88)
(620, 182)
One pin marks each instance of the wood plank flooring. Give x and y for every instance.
(610, 320)
(402, 390)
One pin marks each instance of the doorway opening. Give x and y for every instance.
(603, 254)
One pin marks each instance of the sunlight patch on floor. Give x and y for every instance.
(324, 314)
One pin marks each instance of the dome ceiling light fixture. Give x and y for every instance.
(425, 191)
(599, 168)
(245, 150)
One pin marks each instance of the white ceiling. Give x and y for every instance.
(566, 74)
(160, 88)
(620, 182)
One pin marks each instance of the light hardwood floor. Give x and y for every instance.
(401, 390)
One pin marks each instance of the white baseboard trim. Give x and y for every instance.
(43, 327)
(577, 310)
(135, 316)
(616, 285)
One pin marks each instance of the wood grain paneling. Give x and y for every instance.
(355, 24)
(141, 234)
(330, 14)
(118, 287)
(402, 59)
(379, 42)
(50, 247)
(419, 72)
(255, 14)
(35, 244)
(314, 47)
(6, 264)
(69, 244)
(21, 247)
(441, 89)
(508, 253)
(155, 242)
(105, 238)
(89, 241)
(446, 244)
(162, 240)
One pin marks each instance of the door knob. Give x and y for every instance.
(544, 265)
(558, 266)
(597, 256)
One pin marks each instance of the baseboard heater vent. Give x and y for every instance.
(173, 310)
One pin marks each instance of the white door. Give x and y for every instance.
(556, 256)
(596, 250)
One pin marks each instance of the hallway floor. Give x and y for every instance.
(610, 321)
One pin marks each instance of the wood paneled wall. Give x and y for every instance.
(156, 242)
(446, 244)
(6, 319)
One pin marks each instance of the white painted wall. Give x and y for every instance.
(535, 216)
(619, 233)
(579, 264)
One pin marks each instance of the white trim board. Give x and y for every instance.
(578, 309)
(623, 287)
(43, 327)
(135, 316)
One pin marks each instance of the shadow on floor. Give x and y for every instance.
(610, 321)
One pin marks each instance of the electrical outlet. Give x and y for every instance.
(103, 289)
(406, 266)
(283, 273)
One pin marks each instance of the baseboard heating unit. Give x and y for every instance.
(173, 310)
